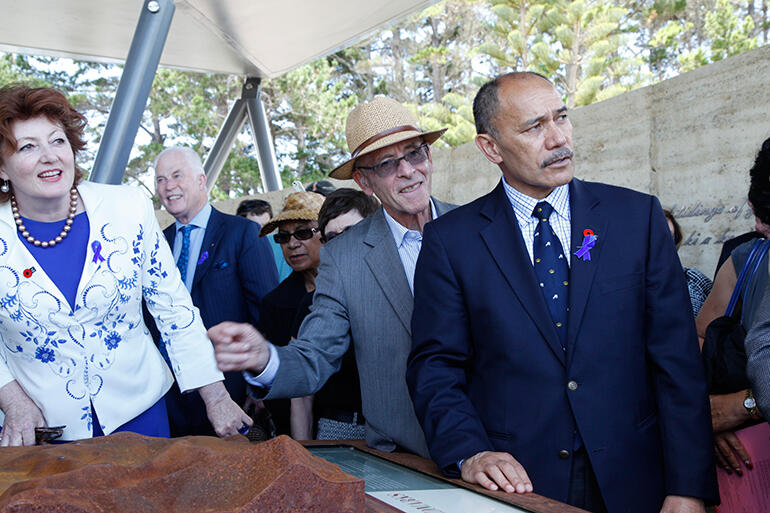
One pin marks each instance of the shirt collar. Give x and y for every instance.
(523, 205)
(201, 219)
(398, 230)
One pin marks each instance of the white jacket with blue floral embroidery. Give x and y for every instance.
(100, 352)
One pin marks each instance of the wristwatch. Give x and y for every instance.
(751, 404)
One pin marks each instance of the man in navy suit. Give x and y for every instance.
(553, 345)
(226, 266)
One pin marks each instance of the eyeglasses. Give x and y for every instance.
(387, 167)
(301, 234)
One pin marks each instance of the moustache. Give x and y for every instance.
(558, 155)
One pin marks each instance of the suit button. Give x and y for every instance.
(564, 454)
(572, 385)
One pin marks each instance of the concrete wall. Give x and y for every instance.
(689, 140)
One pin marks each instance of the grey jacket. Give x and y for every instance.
(757, 344)
(362, 296)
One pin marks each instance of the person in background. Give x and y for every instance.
(731, 411)
(224, 264)
(260, 212)
(322, 187)
(698, 284)
(300, 240)
(342, 209)
(77, 259)
(730, 244)
(337, 413)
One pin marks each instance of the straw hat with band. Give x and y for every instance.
(299, 206)
(376, 124)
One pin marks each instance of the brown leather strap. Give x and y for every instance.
(376, 137)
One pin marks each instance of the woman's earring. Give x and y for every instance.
(5, 188)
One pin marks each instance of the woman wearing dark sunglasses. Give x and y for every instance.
(300, 241)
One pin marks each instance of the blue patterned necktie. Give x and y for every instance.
(184, 255)
(551, 269)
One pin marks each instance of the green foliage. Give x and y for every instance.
(693, 59)
(433, 61)
(13, 71)
(517, 27)
(308, 108)
(725, 33)
(730, 35)
(453, 112)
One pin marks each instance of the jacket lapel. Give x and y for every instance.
(214, 233)
(584, 215)
(385, 263)
(93, 204)
(441, 207)
(170, 234)
(505, 242)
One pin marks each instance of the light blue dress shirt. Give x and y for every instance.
(200, 221)
(409, 243)
(523, 206)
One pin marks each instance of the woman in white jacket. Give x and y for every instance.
(76, 259)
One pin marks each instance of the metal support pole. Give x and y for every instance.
(224, 142)
(133, 90)
(260, 130)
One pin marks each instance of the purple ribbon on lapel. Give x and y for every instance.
(96, 246)
(589, 241)
(203, 257)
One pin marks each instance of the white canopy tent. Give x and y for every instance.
(252, 38)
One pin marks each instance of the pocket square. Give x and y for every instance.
(221, 264)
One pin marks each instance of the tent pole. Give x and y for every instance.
(260, 130)
(133, 91)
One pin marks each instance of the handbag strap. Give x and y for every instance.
(752, 262)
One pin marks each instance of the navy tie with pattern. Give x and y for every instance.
(184, 255)
(551, 269)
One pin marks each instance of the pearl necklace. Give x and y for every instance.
(67, 223)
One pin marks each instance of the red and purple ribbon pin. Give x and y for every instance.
(203, 257)
(589, 241)
(96, 246)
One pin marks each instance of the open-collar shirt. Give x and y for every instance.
(408, 250)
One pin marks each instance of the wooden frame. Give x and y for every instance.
(530, 501)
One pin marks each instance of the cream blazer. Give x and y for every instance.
(100, 352)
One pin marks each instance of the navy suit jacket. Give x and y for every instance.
(228, 285)
(487, 370)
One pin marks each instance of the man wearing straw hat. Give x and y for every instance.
(364, 285)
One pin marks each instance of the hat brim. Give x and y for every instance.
(345, 171)
(294, 215)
